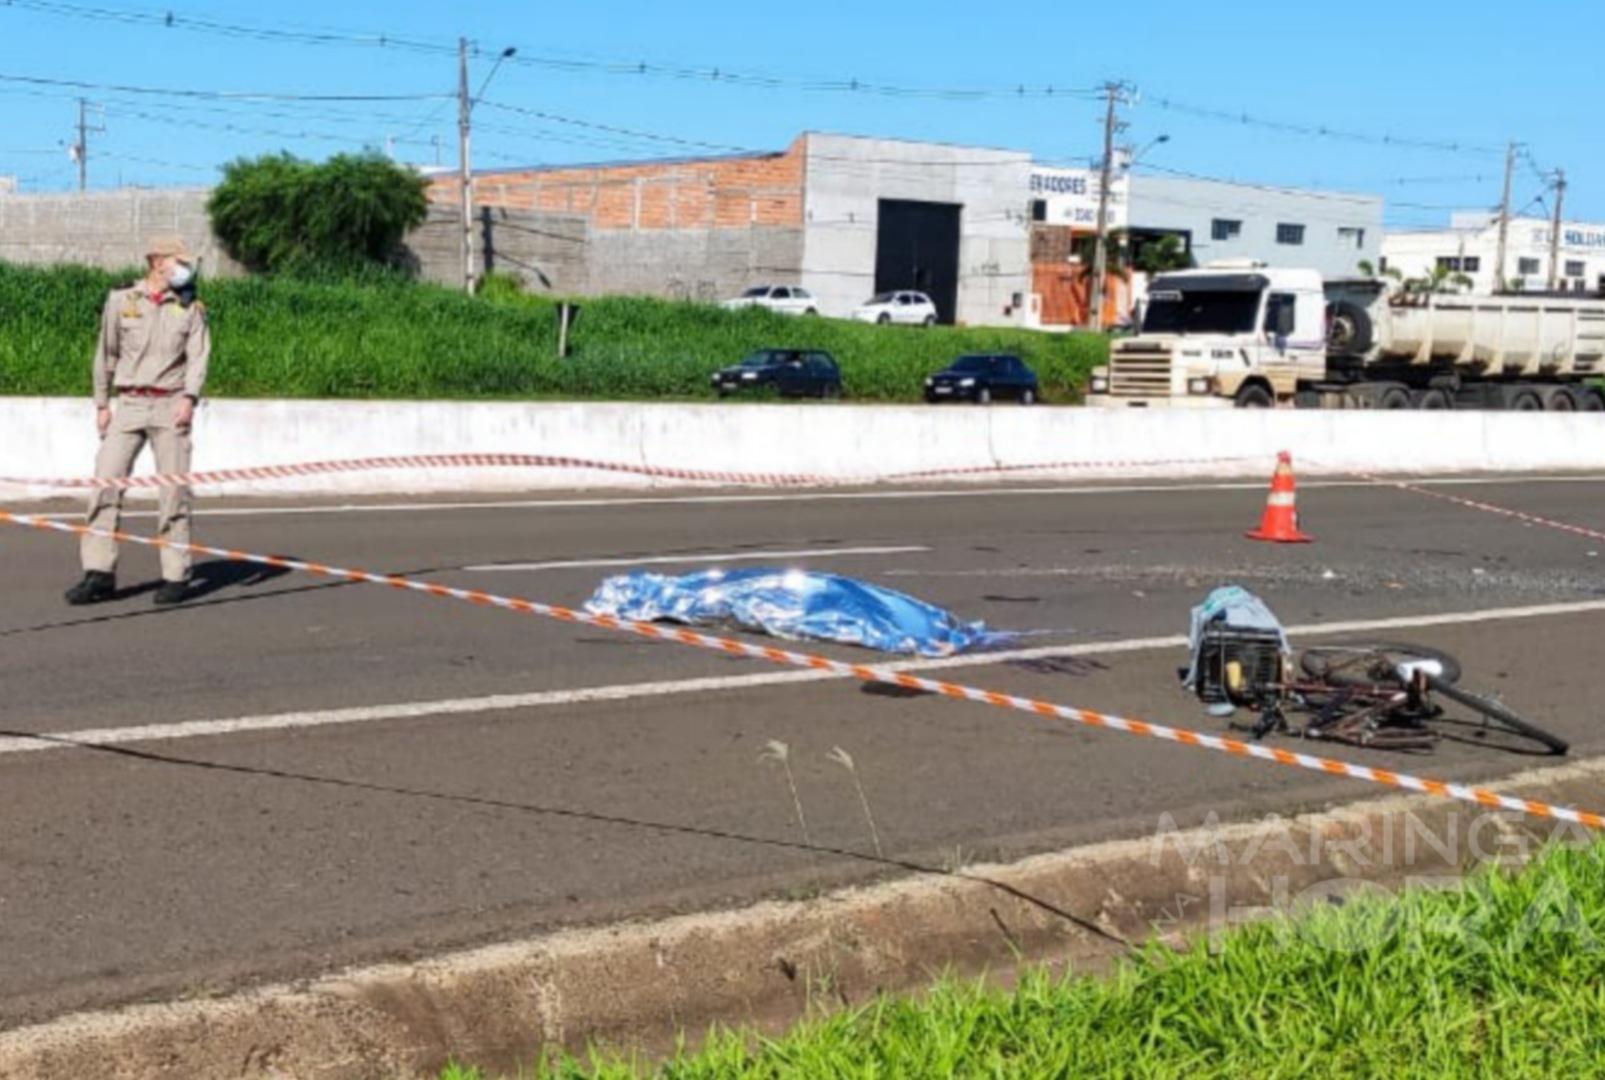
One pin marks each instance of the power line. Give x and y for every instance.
(1320, 130)
(732, 76)
(1306, 193)
(173, 21)
(242, 129)
(212, 95)
(1273, 188)
(1402, 181)
(719, 74)
(156, 161)
(631, 132)
(232, 108)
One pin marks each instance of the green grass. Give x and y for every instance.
(388, 338)
(1503, 976)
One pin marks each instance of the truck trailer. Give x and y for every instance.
(1253, 336)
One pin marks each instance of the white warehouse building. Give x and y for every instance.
(1470, 246)
(1328, 231)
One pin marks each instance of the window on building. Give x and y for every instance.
(1039, 209)
(1526, 267)
(1449, 263)
(1225, 229)
(1471, 264)
(1287, 233)
(1382, 265)
(1575, 268)
(1352, 234)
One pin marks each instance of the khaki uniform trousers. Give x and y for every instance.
(136, 421)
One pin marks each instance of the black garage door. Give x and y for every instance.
(917, 247)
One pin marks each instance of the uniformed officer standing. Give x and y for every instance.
(153, 351)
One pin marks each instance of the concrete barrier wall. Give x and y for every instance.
(51, 437)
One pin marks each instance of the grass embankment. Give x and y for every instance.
(1500, 977)
(389, 338)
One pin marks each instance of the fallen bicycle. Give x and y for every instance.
(1380, 695)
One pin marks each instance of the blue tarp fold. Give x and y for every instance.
(795, 605)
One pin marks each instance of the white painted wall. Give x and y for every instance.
(1340, 229)
(54, 437)
(847, 176)
(1414, 253)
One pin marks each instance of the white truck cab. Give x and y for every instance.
(1254, 336)
(1232, 332)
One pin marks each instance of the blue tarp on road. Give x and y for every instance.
(793, 604)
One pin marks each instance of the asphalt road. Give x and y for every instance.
(431, 774)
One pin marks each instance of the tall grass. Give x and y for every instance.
(385, 337)
(1503, 976)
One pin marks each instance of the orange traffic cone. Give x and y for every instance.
(1280, 522)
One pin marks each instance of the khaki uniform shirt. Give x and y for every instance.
(151, 344)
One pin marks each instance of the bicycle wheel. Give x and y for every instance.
(1374, 663)
(1494, 711)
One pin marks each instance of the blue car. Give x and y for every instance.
(788, 372)
(983, 379)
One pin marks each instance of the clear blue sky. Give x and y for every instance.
(1471, 74)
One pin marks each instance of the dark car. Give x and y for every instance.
(982, 379)
(788, 372)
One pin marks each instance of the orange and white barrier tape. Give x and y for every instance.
(1490, 508)
(559, 461)
(864, 672)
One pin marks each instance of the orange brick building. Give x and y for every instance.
(722, 192)
(843, 216)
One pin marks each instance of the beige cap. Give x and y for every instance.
(163, 244)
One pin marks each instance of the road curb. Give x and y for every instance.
(766, 964)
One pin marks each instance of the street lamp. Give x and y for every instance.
(506, 54)
(1133, 159)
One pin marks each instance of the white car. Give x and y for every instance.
(786, 299)
(908, 308)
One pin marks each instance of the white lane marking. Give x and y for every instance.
(729, 556)
(622, 692)
(826, 495)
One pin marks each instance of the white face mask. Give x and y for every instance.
(180, 275)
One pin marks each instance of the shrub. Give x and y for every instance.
(279, 213)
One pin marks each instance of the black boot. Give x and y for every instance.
(96, 586)
(171, 592)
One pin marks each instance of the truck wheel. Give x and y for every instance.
(1524, 401)
(1593, 400)
(1560, 399)
(1349, 331)
(1396, 397)
(1435, 398)
(1253, 396)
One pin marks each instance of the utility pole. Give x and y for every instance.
(79, 150)
(1113, 94)
(465, 178)
(1504, 218)
(1554, 228)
